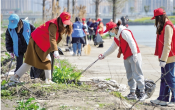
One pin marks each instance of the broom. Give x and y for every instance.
(87, 48)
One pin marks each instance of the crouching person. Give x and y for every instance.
(17, 38)
(127, 44)
(43, 41)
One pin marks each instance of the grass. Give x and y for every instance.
(147, 20)
(106, 35)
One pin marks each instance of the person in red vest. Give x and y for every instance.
(85, 30)
(100, 30)
(43, 41)
(165, 50)
(128, 46)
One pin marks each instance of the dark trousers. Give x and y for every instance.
(89, 37)
(167, 83)
(67, 39)
(19, 61)
(93, 37)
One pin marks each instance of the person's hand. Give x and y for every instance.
(12, 55)
(101, 57)
(56, 54)
(92, 28)
(135, 58)
(98, 30)
(162, 64)
(87, 34)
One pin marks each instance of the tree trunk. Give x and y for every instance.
(67, 5)
(43, 17)
(73, 6)
(52, 9)
(97, 3)
(114, 14)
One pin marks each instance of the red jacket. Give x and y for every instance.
(41, 35)
(160, 41)
(126, 50)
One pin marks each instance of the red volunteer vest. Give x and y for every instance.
(126, 50)
(41, 35)
(160, 41)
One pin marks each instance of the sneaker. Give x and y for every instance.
(79, 54)
(132, 96)
(159, 102)
(49, 81)
(171, 104)
(73, 54)
(143, 96)
(14, 79)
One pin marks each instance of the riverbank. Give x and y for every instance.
(147, 21)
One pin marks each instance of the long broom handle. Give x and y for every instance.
(87, 68)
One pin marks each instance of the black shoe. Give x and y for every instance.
(131, 96)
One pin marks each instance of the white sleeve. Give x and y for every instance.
(126, 35)
(111, 49)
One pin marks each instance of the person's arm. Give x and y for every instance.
(32, 28)
(126, 35)
(111, 49)
(167, 43)
(52, 37)
(8, 42)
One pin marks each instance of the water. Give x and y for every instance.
(144, 34)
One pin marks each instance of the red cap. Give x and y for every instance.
(109, 26)
(83, 19)
(158, 12)
(98, 19)
(65, 17)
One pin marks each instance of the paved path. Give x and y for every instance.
(113, 67)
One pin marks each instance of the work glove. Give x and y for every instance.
(135, 58)
(162, 64)
(56, 54)
(101, 57)
(12, 55)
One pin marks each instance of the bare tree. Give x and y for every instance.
(146, 8)
(44, 4)
(97, 3)
(118, 6)
(68, 5)
(132, 10)
(53, 3)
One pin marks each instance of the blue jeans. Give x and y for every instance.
(75, 45)
(167, 83)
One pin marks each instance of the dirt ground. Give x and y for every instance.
(69, 97)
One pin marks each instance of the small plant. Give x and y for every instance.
(108, 79)
(3, 82)
(65, 73)
(101, 105)
(5, 93)
(118, 94)
(28, 105)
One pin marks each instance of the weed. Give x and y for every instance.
(107, 79)
(63, 107)
(28, 105)
(101, 105)
(3, 82)
(5, 93)
(118, 94)
(65, 73)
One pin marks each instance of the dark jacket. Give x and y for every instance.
(94, 25)
(22, 45)
(89, 23)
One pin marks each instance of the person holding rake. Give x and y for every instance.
(128, 46)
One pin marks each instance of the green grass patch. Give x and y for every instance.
(37, 24)
(28, 105)
(106, 35)
(148, 20)
(101, 105)
(118, 94)
(65, 72)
